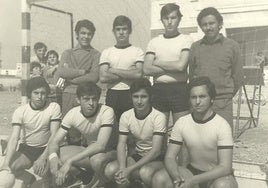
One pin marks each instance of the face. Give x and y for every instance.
(89, 104)
(141, 101)
(52, 59)
(200, 99)
(84, 37)
(40, 53)
(36, 71)
(171, 23)
(121, 34)
(210, 26)
(38, 98)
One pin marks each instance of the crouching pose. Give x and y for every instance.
(95, 122)
(208, 138)
(34, 124)
(148, 127)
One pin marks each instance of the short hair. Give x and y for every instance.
(203, 80)
(122, 20)
(36, 83)
(35, 64)
(168, 8)
(39, 45)
(88, 88)
(141, 83)
(52, 52)
(209, 11)
(84, 23)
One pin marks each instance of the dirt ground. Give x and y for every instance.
(251, 146)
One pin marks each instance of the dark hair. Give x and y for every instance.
(35, 64)
(88, 88)
(84, 23)
(168, 8)
(204, 80)
(209, 11)
(35, 83)
(141, 83)
(39, 45)
(122, 20)
(52, 52)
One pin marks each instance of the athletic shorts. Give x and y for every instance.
(137, 157)
(32, 153)
(171, 97)
(119, 100)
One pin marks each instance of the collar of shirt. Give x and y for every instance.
(78, 47)
(219, 39)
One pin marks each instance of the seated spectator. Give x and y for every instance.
(35, 69)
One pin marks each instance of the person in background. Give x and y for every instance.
(219, 58)
(208, 138)
(35, 69)
(78, 65)
(40, 50)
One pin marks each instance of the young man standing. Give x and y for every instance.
(37, 123)
(148, 127)
(208, 138)
(166, 60)
(40, 50)
(218, 58)
(78, 65)
(95, 121)
(120, 65)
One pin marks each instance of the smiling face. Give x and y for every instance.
(121, 34)
(171, 23)
(141, 101)
(40, 53)
(211, 27)
(38, 98)
(89, 104)
(84, 37)
(200, 99)
(52, 59)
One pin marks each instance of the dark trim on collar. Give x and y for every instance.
(122, 47)
(144, 116)
(167, 37)
(203, 121)
(36, 109)
(92, 114)
(219, 39)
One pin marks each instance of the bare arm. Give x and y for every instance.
(121, 151)
(149, 68)
(106, 76)
(174, 66)
(134, 73)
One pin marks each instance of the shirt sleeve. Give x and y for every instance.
(188, 42)
(140, 55)
(67, 121)
(191, 62)
(225, 137)
(17, 117)
(56, 112)
(160, 124)
(108, 117)
(123, 124)
(151, 48)
(176, 134)
(104, 58)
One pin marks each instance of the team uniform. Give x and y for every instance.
(203, 139)
(118, 94)
(143, 130)
(170, 92)
(35, 127)
(89, 126)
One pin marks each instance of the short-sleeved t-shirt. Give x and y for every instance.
(121, 58)
(144, 129)
(202, 139)
(35, 124)
(89, 126)
(169, 49)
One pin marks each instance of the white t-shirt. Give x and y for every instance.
(35, 124)
(121, 58)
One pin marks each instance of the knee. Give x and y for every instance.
(146, 174)
(159, 179)
(97, 162)
(224, 184)
(110, 170)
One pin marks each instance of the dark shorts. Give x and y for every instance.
(196, 171)
(32, 153)
(171, 97)
(119, 100)
(137, 157)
